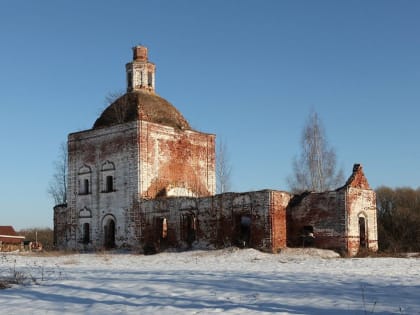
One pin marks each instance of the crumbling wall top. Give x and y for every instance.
(358, 178)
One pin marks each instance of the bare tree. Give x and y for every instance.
(57, 188)
(315, 169)
(223, 168)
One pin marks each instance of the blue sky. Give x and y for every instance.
(248, 71)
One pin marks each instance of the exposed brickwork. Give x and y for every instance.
(361, 203)
(334, 216)
(220, 220)
(358, 178)
(278, 205)
(142, 179)
(171, 159)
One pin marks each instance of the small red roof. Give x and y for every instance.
(9, 235)
(7, 230)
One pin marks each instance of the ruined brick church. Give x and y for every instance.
(141, 178)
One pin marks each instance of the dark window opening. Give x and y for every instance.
(362, 231)
(150, 79)
(308, 237)
(85, 186)
(129, 80)
(109, 183)
(86, 233)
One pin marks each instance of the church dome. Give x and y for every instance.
(141, 105)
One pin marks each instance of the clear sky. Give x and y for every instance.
(248, 71)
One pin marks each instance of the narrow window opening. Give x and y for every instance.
(86, 186)
(109, 184)
(150, 78)
(129, 80)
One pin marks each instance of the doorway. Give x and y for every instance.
(362, 233)
(109, 234)
(244, 230)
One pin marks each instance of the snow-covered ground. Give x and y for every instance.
(229, 281)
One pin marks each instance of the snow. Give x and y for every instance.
(229, 281)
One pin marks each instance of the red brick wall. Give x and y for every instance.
(279, 202)
(218, 220)
(172, 158)
(325, 212)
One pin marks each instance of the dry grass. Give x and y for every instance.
(70, 261)
(55, 253)
(386, 254)
(4, 284)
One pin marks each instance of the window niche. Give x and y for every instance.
(150, 79)
(108, 177)
(85, 179)
(129, 80)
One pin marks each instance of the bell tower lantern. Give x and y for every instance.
(140, 72)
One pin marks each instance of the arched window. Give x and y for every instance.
(362, 232)
(85, 174)
(108, 177)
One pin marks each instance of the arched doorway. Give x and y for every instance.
(109, 233)
(363, 241)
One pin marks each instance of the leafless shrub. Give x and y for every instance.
(398, 219)
(43, 235)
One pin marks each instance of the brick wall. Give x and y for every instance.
(254, 219)
(324, 213)
(361, 203)
(95, 155)
(143, 159)
(343, 220)
(175, 162)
